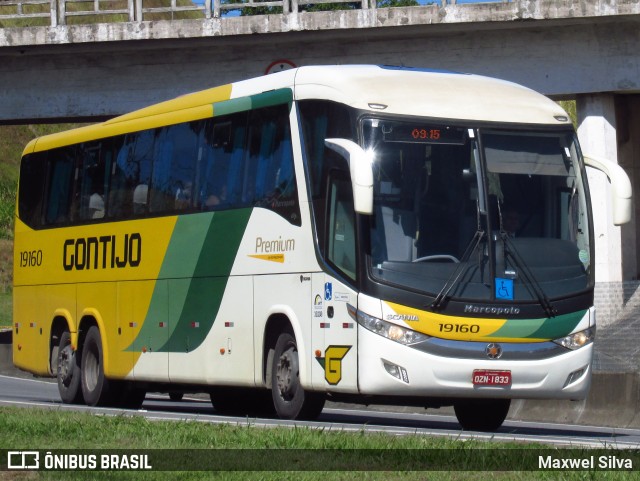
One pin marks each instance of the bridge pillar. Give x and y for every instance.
(597, 134)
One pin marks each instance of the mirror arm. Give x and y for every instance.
(361, 170)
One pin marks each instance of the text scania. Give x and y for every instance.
(104, 252)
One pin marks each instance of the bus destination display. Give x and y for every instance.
(422, 134)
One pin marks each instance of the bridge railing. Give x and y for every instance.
(60, 12)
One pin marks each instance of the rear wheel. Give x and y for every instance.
(481, 414)
(95, 387)
(68, 371)
(291, 401)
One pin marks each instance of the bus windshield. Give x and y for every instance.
(483, 214)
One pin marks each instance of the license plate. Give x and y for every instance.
(491, 378)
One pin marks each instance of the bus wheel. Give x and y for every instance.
(481, 414)
(289, 398)
(68, 371)
(95, 387)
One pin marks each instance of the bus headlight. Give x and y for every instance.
(389, 330)
(577, 339)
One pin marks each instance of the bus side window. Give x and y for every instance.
(61, 198)
(33, 172)
(174, 167)
(93, 181)
(223, 163)
(270, 180)
(341, 242)
(123, 180)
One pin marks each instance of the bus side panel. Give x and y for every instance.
(34, 308)
(132, 309)
(226, 357)
(286, 295)
(30, 331)
(335, 335)
(151, 329)
(98, 301)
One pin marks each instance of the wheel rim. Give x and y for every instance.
(66, 360)
(287, 374)
(91, 369)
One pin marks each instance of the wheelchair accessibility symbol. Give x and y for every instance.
(328, 291)
(504, 288)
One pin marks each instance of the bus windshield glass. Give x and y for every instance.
(483, 214)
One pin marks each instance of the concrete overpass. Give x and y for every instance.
(585, 50)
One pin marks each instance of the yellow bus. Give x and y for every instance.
(355, 233)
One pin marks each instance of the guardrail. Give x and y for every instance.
(60, 12)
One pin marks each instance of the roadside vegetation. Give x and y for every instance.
(292, 451)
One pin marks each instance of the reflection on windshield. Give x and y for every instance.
(518, 230)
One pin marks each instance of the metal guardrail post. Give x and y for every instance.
(62, 12)
(207, 8)
(54, 13)
(216, 8)
(132, 10)
(138, 13)
(294, 6)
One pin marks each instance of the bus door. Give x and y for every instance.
(334, 335)
(333, 325)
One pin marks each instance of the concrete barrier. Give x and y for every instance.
(613, 400)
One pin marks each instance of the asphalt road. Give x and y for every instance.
(32, 393)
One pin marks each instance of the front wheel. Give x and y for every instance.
(68, 371)
(290, 400)
(481, 414)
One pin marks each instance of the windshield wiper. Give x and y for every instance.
(460, 270)
(530, 283)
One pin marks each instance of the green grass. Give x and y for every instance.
(277, 448)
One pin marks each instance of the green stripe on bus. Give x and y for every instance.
(192, 281)
(549, 328)
(242, 104)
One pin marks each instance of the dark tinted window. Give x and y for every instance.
(237, 160)
(33, 172)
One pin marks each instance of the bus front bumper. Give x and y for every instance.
(389, 368)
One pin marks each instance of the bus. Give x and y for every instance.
(364, 234)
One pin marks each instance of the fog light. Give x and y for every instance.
(396, 371)
(574, 376)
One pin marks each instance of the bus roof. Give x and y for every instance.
(383, 89)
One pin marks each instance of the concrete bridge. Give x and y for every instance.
(62, 67)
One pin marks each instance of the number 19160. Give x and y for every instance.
(31, 258)
(463, 328)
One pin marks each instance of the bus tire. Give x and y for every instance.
(95, 387)
(68, 371)
(481, 414)
(290, 400)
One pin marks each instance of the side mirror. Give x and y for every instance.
(361, 172)
(620, 184)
